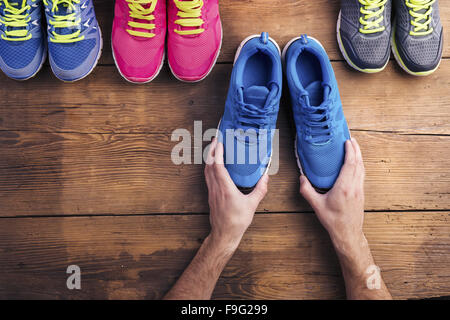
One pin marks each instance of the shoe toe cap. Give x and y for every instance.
(322, 163)
(367, 52)
(420, 54)
(192, 58)
(21, 60)
(73, 61)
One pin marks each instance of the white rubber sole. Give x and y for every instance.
(210, 69)
(99, 54)
(345, 55)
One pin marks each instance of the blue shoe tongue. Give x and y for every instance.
(256, 95)
(65, 9)
(316, 93)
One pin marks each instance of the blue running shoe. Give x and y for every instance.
(251, 109)
(74, 38)
(22, 44)
(319, 120)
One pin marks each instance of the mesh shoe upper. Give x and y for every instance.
(139, 52)
(22, 49)
(420, 52)
(18, 55)
(192, 56)
(365, 50)
(327, 158)
(71, 55)
(74, 39)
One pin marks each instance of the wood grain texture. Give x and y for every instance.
(102, 146)
(283, 19)
(103, 103)
(70, 173)
(282, 256)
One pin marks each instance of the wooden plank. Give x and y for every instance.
(69, 173)
(282, 256)
(103, 103)
(283, 20)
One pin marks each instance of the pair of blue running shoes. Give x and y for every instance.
(248, 125)
(73, 38)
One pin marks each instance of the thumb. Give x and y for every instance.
(309, 193)
(260, 190)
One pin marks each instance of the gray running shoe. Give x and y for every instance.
(364, 32)
(417, 39)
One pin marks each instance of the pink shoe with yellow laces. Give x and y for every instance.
(194, 38)
(138, 38)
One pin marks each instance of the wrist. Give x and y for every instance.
(224, 245)
(349, 243)
(354, 254)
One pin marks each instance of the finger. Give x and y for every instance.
(260, 190)
(348, 168)
(211, 152)
(360, 171)
(220, 172)
(209, 174)
(218, 157)
(358, 154)
(309, 193)
(208, 179)
(350, 156)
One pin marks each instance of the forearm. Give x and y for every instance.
(199, 279)
(362, 277)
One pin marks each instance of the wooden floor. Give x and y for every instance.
(86, 177)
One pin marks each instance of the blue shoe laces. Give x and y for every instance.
(317, 120)
(250, 115)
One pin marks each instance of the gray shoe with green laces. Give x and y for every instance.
(364, 32)
(417, 39)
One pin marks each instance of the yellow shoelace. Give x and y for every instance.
(421, 21)
(190, 13)
(65, 21)
(16, 16)
(372, 9)
(137, 11)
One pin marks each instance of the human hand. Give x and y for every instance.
(231, 211)
(341, 210)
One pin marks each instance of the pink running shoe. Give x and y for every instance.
(138, 35)
(194, 38)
